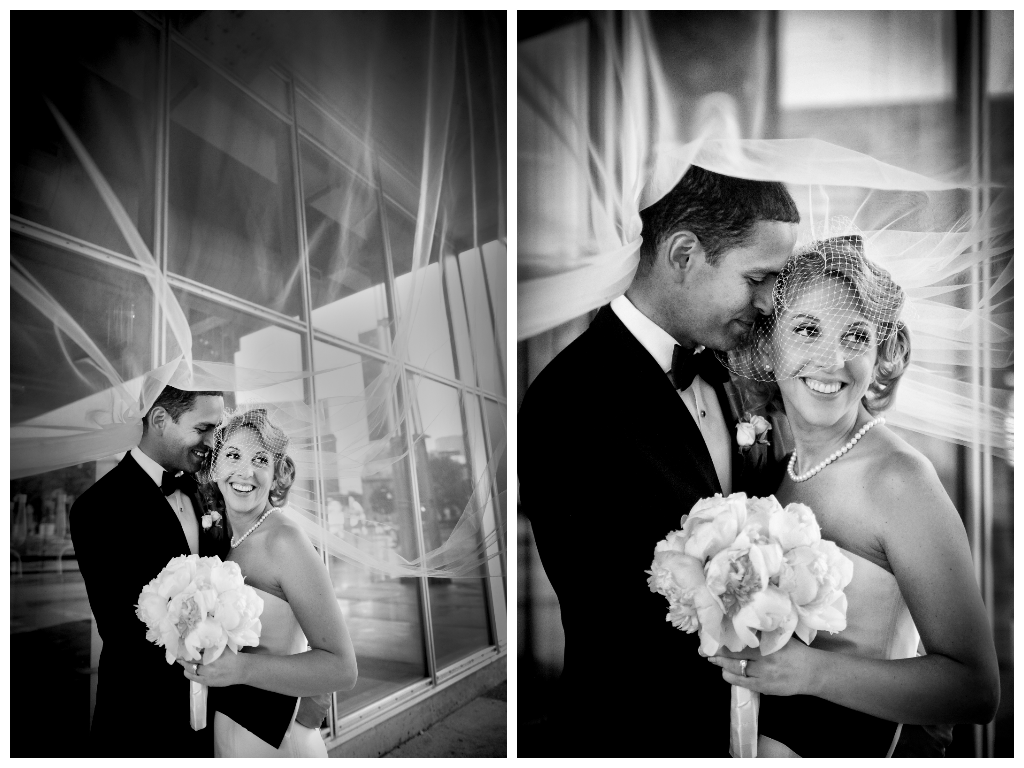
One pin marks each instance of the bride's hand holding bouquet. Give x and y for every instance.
(194, 609)
(749, 573)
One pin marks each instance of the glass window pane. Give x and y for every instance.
(445, 477)
(231, 203)
(495, 269)
(238, 42)
(224, 335)
(430, 345)
(346, 251)
(104, 83)
(495, 414)
(481, 323)
(49, 370)
(373, 500)
(460, 320)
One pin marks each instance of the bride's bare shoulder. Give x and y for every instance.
(903, 479)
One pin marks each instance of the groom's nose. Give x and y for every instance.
(763, 297)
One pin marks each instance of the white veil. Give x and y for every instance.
(456, 134)
(600, 138)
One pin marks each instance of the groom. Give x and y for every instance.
(619, 436)
(125, 529)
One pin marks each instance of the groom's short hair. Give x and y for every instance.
(719, 210)
(176, 402)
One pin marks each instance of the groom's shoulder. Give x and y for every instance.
(105, 488)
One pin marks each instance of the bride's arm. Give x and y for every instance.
(958, 681)
(331, 664)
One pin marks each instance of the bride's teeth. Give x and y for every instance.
(825, 389)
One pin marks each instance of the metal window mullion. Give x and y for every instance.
(494, 318)
(467, 442)
(391, 295)
(492, 476)
(390, 286)
(65, 242)
(980, 465)
(477, 373)
(161, 201)
(428, 622)
(234, 302)
(307, 307)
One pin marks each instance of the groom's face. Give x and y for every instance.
(719, 303)
(187, 442)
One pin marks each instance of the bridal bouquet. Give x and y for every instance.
(200, 605)
(750, 573)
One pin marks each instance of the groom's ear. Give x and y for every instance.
(157, 419)
(682, 251)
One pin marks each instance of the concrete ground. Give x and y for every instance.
(478, 729)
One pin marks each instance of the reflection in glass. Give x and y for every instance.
(430, 344)
(495, 415)
(494, 269)
(481, 322)
(346, 251)
(48, 370)
(224, 335)
(460, 320)
(105, 85)
(231, 208)
(446, 477)
(368, 495)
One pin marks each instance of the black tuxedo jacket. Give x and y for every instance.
(125, 532)
(609, 461)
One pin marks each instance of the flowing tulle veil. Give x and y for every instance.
(602, 136)
(108, 421)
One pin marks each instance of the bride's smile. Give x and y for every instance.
(244, 472)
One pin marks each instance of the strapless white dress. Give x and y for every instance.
(282, 636)
(878, 626)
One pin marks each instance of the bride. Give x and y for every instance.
(830, 358)
(253, 475)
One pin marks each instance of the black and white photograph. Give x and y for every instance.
(258, 391)
(764, 400)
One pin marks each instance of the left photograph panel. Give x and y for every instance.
(258, 382)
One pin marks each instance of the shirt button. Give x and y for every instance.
(703, 414)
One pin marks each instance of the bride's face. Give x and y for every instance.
(244, 472)
(824, 355)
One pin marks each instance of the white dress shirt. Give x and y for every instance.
(700, 398)
(179, 501)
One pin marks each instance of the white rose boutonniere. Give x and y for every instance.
(752, 437)
(752, 430)
(210, 519)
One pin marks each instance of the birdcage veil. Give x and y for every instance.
(831, 304)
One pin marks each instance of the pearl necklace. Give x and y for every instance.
(815, 470)
(236, 542)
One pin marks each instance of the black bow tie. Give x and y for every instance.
(184, 483)
(686, 365)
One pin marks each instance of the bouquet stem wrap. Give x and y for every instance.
(197, 693)
(743, 722)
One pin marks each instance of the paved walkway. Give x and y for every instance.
(478, 729)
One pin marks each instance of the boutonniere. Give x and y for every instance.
(211, 519)
(752, 437)
(751, 431)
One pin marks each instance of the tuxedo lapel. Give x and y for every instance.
(167, 535)
(663, 423)
(728, 399)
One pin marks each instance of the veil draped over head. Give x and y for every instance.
(428, 151)
(604, 132)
